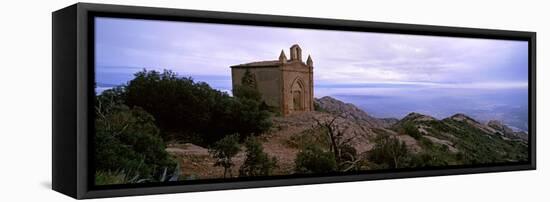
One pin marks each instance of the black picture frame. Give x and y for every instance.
(73, 97)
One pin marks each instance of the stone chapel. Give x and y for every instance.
(285, 84)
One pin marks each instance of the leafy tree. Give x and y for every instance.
(314, 160)
(193, 111)
(247, 92)
(257, 162)
(224, 150)
(249, 79)
(127, 140)
(389, 151)
(248, 88)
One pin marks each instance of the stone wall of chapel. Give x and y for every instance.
(268, 80)
(290, 72)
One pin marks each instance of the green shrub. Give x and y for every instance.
(427, 159)
(314, 160)
(347, 153)
(389, 152)
(127, 139)
(224, 150)
(257, 162)
(318, 107)
(308, 137)
(114, 177)
(123, 177)
(411, 130)
(432, 155)
(247, 92)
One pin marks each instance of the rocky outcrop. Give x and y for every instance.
(360, 130)
(388, 122)
(347, 110)
(506, 131)
(462, 118)
(417, 117)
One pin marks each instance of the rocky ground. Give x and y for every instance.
(196, 162)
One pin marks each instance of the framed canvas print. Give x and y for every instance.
(154, 100)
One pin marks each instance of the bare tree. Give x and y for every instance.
(337, 134)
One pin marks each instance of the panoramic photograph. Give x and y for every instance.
(185, 101)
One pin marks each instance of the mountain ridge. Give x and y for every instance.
(439, 131)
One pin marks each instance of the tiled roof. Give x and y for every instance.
(268, 63)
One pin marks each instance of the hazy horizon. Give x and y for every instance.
(387, 75)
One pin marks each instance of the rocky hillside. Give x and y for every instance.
(470, 140)
(456, 140)
(388, 122)
(287, 137)
(505, 131)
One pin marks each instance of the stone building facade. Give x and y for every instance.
(285, 84)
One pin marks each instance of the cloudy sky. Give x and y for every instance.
(345, 63)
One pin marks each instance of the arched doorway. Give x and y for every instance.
(296, 102)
